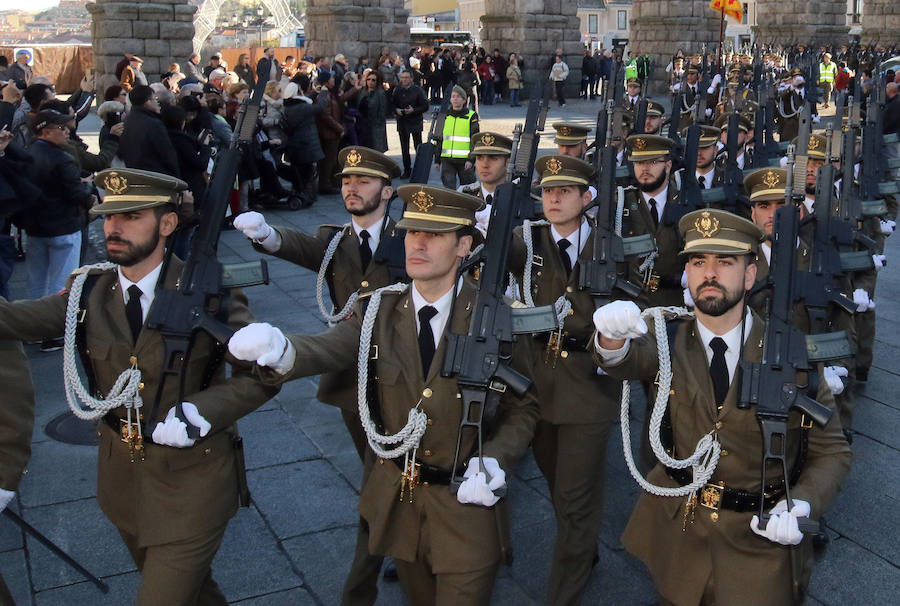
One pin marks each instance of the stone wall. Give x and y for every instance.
(659, 29)
(356, 29)
(810, 23)
(534, 30)
(880, 22)
(159, 32)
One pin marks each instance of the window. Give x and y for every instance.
(592, 24)
(622, 20)
(857, 10)
(746, 13)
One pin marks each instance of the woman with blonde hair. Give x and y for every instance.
(272, 110)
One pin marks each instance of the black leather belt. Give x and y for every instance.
(570, 343)
(715, 496)
(428, 474)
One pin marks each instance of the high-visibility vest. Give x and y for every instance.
(631, 70)
(457, 136)
(827, 72)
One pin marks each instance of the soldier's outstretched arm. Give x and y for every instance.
(16, 416)
(33, 319)
(624, 346)
(283, 242)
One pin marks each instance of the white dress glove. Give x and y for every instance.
(709, 112)
(475, 489)
(717, 79)
(253, 225)
(880, 261)
(782, 527)
(620, 320)
(862, 301)
(5, 497)
(264, 344)
(816, 119)
(833, 376)
(888, 227)
(688, 299)
(173, 432)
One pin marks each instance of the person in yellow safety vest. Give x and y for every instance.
(827, 71)
(459, 126)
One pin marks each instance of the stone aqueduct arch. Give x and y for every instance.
(205, 22)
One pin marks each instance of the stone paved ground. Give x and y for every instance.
(292, 546)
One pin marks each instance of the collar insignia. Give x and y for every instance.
(706, 225)
(115, 184)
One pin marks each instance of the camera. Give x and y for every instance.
(113, 118)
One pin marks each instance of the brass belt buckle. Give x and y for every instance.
(711, 498)
(805, 422)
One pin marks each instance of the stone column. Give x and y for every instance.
(356, 29)
(534, 30)
(880, 22)
(659, 29)
(808, 23)
(158, 32)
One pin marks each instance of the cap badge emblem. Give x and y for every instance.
(554, 166)
(640, 144)
(564, 131)
(706, 225)
(813, 143)
(423, 201)
(487, 139)
(115, 184)
(354, 158)
(770, 179)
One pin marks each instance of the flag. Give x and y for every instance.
(731, 8)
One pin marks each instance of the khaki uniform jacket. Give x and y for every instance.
(16, 414)
(668, 266)
(456, 537)
(739, 561)
(347, 277)
(572, 391)
(174, 493)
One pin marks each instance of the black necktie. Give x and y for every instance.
(702, 181)
(718, 370)
(654, 213)
(489, 199)
(133, 311)
(426, 337)
(365, 253)
(564, 255)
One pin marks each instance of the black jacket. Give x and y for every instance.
(193, 159)
(145, 143)
(413, 97)
(64, 199)
(300, 125)
(892, 116)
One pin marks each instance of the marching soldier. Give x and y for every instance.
(361, 263)
(632, 94)
(571, 139)
(570, 440)
(169, 496)
(16, 424)
(691, 95)
(791, 100)
(654, 119)
(715, 551)
(708, 174)
(645, 213)
(447, 547)
(745, 129)
(491, 152)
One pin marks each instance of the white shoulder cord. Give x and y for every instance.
(620, 209)
(795, 109)
(125, 391)
(412, 432)
(320, 282)
(562, 306)
(706, 454)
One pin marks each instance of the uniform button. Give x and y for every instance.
(381, 461)
(563, 354)
(539, 274)
(570, 289)
(429, 422)
(364, 283)
(427, 393)
(132, 360)
(87, 351)
(571, 312)
(724, 453)
(140, 386)
(427, 453)
(424, 483)
(671, 392)
(207, 451)
(718, 424)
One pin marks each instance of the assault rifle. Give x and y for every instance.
(200, 300)
(640, 115)
(521, 162)
(480, 359)
(728, 195)
(690, 198)
(429, 151)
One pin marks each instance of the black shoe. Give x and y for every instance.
(48, 345)
(390, 571)
(406, 174)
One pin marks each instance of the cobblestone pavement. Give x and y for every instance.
(293, 544)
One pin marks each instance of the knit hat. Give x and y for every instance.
(460, 91)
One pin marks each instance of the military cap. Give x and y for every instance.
(633, 81)
(130, 189)
(733, 82)
(655, 109)
(718, 232)
(693, 69)
(356, 160)
(570, 134)
(796, 71)
(436, 209)
(817, 145)
(557, 170)
(766, 184)
(744, 122)
(709, 135)
(491, 144)
(647, 147)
